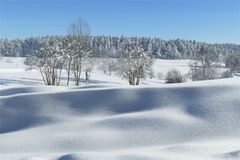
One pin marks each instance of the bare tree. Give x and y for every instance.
(80, 46)
(205, 65)
(108, 61)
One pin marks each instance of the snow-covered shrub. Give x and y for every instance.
(174, 76)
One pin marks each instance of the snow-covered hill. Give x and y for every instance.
(109, 120)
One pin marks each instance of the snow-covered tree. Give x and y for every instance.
(205, 65)
(133, 62)
(1, 48)
(88, 65)
(233, 62)
(49, 61)
(80, 46)
(68, 55)
(171, 49)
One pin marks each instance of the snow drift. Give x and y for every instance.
(189, 121)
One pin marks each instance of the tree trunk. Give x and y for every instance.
(59, 77)
(42, 76)
(131, 79)
(68, 72)
(68, 77)
(87, 77)
(138, 81)
(77, 74)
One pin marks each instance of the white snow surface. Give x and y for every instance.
(109, 120)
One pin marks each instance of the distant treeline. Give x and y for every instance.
(164, 49)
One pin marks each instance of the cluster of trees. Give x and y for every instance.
(71, 53)
(75, 54)
(233, 62)
(49, 60)
(171, 49)
(206, 65)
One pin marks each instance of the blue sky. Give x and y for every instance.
(202, 20)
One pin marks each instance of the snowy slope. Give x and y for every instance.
(191, 121)
(109, 120)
